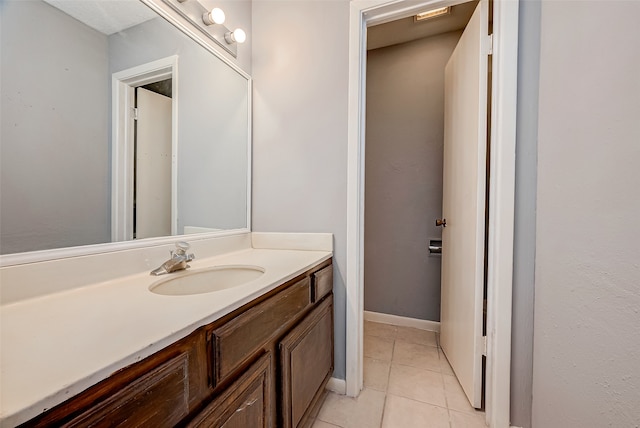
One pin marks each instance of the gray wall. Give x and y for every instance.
(403, 188)
(586, 231)
(212, 123)
(300, 71)
(52, 134)
(586, 369)
(300, 132)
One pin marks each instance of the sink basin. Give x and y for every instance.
(206, 280)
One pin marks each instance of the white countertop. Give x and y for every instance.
(57, 345)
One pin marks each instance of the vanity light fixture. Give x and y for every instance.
(236, 36)
(213, 16)
(433, 13)
(210, 22)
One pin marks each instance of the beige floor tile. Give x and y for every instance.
(467, 420)
(402, 412)
(376, 374)
(365, 411)
(456, 398)
(380, 330)
(378, 348)
(417, 384)
(445, 367)
(415, 355)
(415, 335)
(322, 424)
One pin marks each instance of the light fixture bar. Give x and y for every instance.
(207, 23)
(433, 13)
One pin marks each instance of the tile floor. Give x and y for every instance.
(407, 383)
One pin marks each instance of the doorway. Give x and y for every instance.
(403, 162)
(125, 195)
(413, 72)
(152, 160)
(500, 243)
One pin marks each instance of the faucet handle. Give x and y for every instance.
(182, 247)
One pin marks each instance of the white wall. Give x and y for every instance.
(54, 150)
(300, 71)
(586, 369)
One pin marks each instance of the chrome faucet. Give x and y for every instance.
(178, 261)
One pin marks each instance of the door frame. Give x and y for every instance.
(123, 84)
(364, 13)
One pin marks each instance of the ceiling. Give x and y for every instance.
(106, 16)
(407, 29)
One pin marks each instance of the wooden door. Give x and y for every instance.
(464, 192)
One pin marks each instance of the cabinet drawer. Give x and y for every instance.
(157, 399)
(246, 403)
(322, 283)
(237, 340)
(306, 356)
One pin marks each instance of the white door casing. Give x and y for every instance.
(463, 204)
(153, 165)
(123, 84)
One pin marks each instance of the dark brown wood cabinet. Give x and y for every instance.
(263, 365)
(236, 341)
(306, 364)
(246, 403)
(136, 403)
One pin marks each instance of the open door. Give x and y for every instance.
(153, 165)
(463, 204)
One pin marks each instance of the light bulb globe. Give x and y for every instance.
(217, 15)
(239, 35)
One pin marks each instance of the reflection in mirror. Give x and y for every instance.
(93, 151)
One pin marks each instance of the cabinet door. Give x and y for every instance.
(239, 339)
(157, 399)
(322, 283)
(245, 403)
(306, 356)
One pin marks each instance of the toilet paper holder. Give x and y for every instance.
(435, 246)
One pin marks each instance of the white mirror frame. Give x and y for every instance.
(63, 253)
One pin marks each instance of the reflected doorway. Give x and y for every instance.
(152, 161)
(144, 192)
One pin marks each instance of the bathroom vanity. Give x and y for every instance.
(88, 337)
(264, 364)
(255, 355)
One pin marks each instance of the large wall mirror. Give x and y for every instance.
(116, 126)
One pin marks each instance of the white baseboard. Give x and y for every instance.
(402, 321)
(339, 386)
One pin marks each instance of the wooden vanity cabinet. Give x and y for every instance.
(263, 365)
(306, 364)
(159, 391)
(236, 341)
(246, 403)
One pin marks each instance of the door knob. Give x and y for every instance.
(441, 222)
